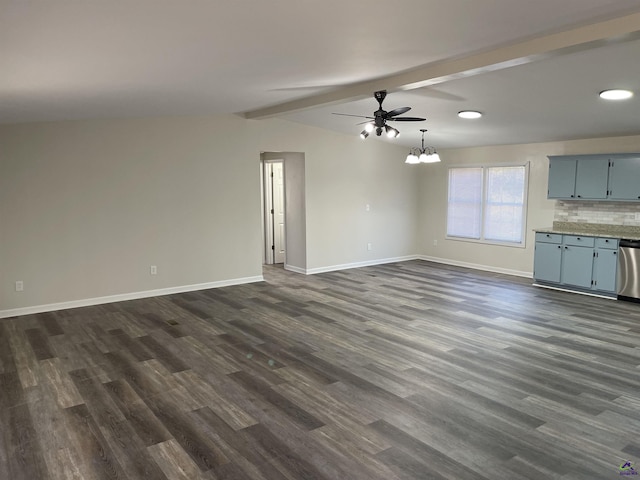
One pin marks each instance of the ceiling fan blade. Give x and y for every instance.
(349, 115)
(406, 119)
(398, 111)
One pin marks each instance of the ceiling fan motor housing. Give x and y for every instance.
(381, 116)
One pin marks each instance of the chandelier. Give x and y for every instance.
(422, 154)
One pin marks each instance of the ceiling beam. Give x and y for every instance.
(621, 29)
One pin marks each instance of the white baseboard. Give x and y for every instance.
(367, 263)
(51, 307)
(294, 269)
(476, 266)
(239, 281)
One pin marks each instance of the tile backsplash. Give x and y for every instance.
(613, 213)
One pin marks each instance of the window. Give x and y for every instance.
(488, 204)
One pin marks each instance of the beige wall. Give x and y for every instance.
(86, 207)
(433, 199)
(343, 174)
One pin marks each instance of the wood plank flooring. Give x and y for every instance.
(395, 372)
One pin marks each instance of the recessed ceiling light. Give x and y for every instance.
(616, 94)
(469, 114)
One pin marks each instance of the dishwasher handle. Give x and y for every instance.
(629, 243)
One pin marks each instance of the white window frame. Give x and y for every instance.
(525, 209)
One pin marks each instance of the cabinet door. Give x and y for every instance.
(592, 175)
(562, 177)
(605, 267)
(546, 262)
(577, 266)
(624, 179)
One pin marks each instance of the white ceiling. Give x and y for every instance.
(72, 59)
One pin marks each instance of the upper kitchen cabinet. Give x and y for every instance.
(578, 177)
(595, 177)
(624, 178)
(562, 177)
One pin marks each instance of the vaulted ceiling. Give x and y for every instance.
(533, 68)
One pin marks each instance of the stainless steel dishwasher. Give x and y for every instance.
(629, 270)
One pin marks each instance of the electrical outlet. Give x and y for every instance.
(153, 270)
(367, 207)
(19, 286)
(435, 242)
(369, 246)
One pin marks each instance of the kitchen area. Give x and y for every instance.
(593, 246)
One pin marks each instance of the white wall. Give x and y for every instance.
(433, 199)
(86, 207)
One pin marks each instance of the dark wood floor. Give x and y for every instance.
(400, 371)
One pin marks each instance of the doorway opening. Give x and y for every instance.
(274, 212)
(285, 230)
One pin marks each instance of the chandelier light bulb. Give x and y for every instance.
(412, 159)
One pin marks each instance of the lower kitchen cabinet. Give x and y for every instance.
(605, 265)
(605, 269)
(577, 266)
(578, 263)
(546, 262)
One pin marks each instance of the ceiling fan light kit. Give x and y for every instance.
(380, 118)
(391, 132)
(422, 154)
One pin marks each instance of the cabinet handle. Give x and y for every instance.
(606, 241)
(548, 236)
(572, 196)
(559, 246)
(578, 238)
(579, 196)
(615, 253)
(566, 248)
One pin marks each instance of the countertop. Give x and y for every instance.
(629, 232)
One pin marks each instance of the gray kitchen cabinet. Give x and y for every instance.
(562, 177)
(578, 177)
(605, 268)
(576, 262)
(605, 264)
(592, 176)
(624, 178)
(577, 266)
(546, 262)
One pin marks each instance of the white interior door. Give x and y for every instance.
(274, 214)
(278, 215)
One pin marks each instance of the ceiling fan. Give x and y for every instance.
(380, 118)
